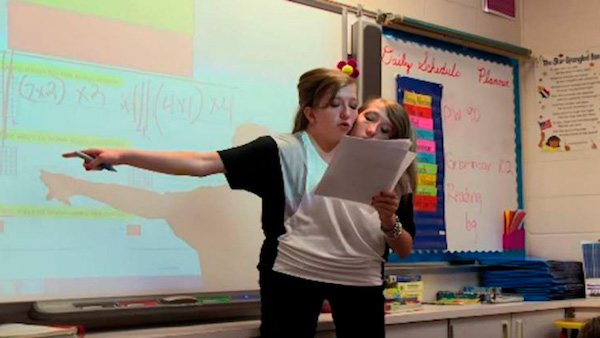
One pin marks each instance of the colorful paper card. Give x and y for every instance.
(426, 179)
(426, 168)
(424, 203)
(425, 146)
(418, 111)
(420, 122)
(424, 134)
(426, 157)
(426, 190)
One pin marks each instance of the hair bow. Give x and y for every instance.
(349, 67)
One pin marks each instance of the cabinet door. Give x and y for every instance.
(434, 329)
(480, 327)
(537, 324)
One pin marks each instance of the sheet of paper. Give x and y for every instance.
(362, 168)
(30, 331)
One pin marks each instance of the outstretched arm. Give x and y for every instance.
(189, 163)
(140, 202)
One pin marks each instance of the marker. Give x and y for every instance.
(96, 306)
(138, 303)
(214, 299)
(88, 158)
(183, 299)
(246, 296)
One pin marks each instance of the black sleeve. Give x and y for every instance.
(405, 214)
(253, 167)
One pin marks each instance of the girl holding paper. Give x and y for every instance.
(315, 247)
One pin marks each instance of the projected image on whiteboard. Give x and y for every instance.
(65, 232)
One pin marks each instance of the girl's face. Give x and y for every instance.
(373, 122)
(330, 121)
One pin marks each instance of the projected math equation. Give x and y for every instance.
(152, 105)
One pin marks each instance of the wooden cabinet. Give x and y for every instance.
(433, 329)
(536, 324)
(480, 327)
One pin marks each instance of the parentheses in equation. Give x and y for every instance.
(133, 101)
(139, 107)
(63, 90)
(231, 110)
(22, 84)
(200, 104)
(146, 100)
(7, 79)
(155, 107)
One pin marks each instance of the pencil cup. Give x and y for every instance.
(514, 240)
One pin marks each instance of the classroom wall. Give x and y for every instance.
(464, 15)
(562, 196)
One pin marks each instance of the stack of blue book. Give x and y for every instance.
(535, 279)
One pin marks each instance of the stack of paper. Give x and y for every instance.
(362, 168)
(536, 280)
(35, 331)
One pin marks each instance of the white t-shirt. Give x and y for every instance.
(327, 239)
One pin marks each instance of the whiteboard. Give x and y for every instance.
(479, 132)
(164, 75)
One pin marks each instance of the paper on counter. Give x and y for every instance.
(362, 168)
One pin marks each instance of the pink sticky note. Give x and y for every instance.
(425, 146)
(420, 122)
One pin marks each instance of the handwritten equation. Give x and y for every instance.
(146, 101)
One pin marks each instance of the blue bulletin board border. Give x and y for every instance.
(444, 255)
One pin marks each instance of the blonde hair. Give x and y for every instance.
(313, 87)
(401, 129)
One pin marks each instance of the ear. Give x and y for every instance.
(309, 113)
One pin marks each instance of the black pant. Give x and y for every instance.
(290, 307)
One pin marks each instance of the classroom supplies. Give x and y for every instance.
(513, 237)
(88, 158)
(535, 279)
(403, 293)
(591, 268)
(18, 330)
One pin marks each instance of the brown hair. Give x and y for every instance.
(313, 87)
(401, 129)
(590, 329)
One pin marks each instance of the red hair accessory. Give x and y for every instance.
(349, 67)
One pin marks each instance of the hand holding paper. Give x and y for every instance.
(362, 168)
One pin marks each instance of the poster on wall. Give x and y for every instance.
(505, 8)
(567, 90)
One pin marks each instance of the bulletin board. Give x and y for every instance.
(480, 174)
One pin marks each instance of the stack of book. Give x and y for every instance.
(403, 293)
(536, 279)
